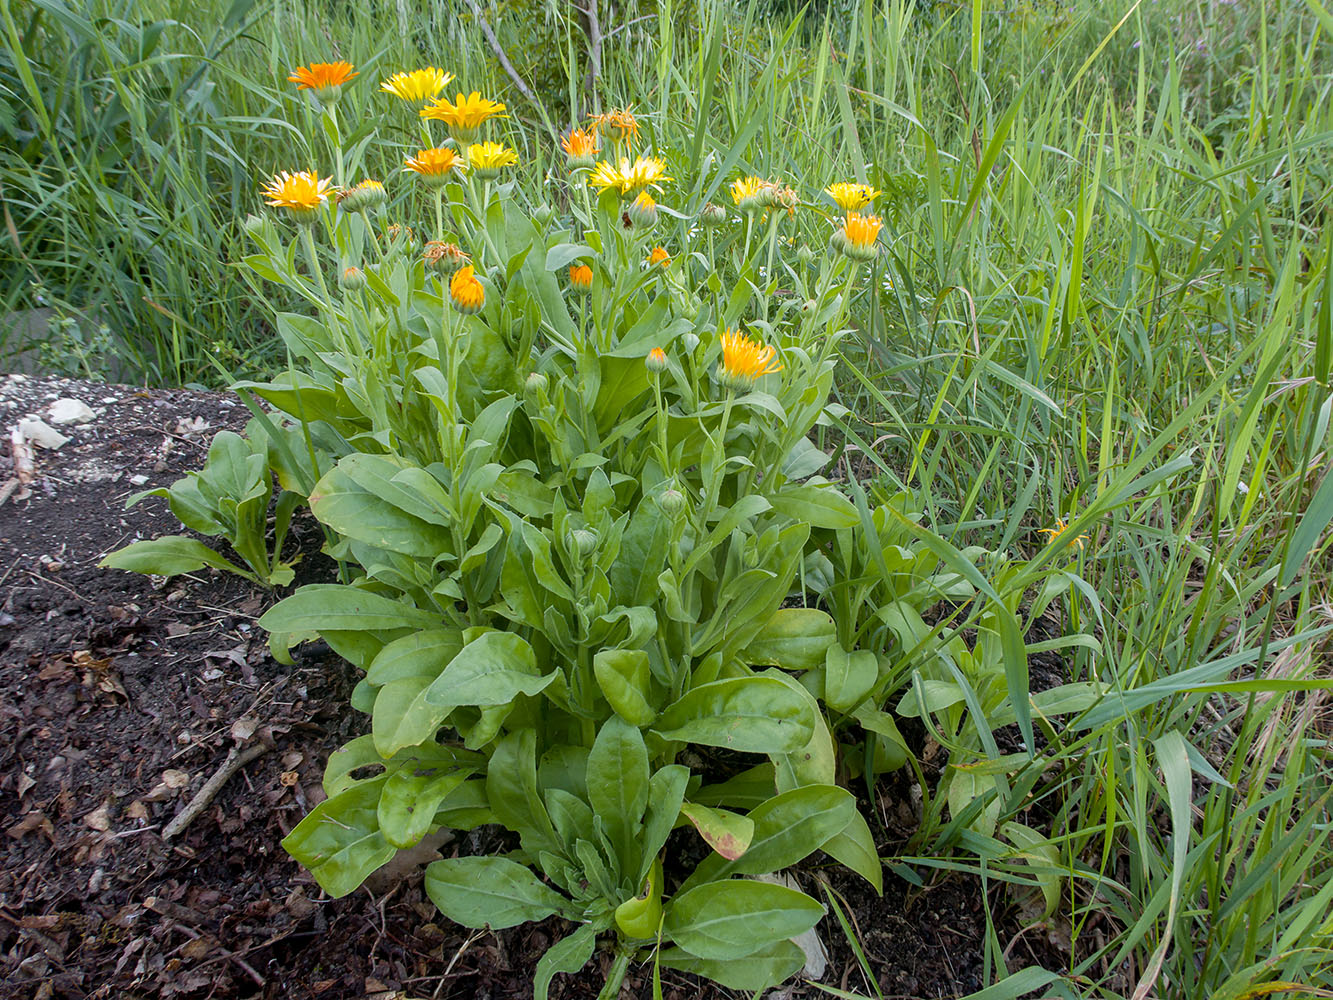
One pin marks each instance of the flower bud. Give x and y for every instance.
(466, 292)
(254, 224)
(582, 542)
(805, 255)
(444, 258)
(689, 341)
(353, 279)
(809, 306)
(580, 277)
(712, 216)
(535, 384)
(671, 502)
(642, 212)
(656, 360)
(364, 197)
(544, 214)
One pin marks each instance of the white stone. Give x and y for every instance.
(40, 433)
(71, 411)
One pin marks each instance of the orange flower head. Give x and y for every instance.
(466, 292)
(656, 360)
(858, 235)
(300, 193)
(435, 166)
(325, 79)
(618, 123)
(417, 85)
(659, 256)
(464, 116)
(580, 277)
(744, 360)
(581, 149)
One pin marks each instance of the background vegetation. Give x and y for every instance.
(1105, 298)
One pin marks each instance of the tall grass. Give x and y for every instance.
(1105, 299)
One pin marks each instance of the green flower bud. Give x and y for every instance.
(671, 502)
(535, 384)
(582, 542)
(353, 279)
(712, 216)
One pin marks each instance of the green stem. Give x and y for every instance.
(439, 213)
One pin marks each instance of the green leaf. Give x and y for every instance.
(340, 840)
(733, 918)
(402, 717)
(821, 506)
(666, 794)
(848, 677)
(794, 639)
(728, 833)
(750, 714)
(422, 654)
(169, 556)
(1038, 851)
(618, 785)
(855, 848)
(568, 955)
(351, 509)
(491, 670)
(753, 973)
(626, 682)
(411, 796)
(511, 789)
(489, 892)
(335, 607)
(564, 254)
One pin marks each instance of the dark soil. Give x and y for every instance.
(120, 695)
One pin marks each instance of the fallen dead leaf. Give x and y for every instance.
(34, 820)
(100, 818)
(243, 728)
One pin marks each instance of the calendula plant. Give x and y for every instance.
(587, 539)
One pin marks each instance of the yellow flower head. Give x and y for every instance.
(363, 197)
(417, 85)
(466, 292)
(619, 124)
(750, 193)
(629, 178)
(744, 360)
(851, 197)
(325, 79)
(1061, 526)
(486, 159)
(857, 236)
(300, 193)
(580, 277)
(659, 256)
(465, 115)
(435, 166)
(581, 148)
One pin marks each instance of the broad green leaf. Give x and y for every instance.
(169, 556)
(568, 955)
(402, 717)
(1044, 857)
(340, 840)
(855, 848)
(421, 654)
(820, 506)
(727, 833)
(493, 669)
(751, 714)
(666, 794)
(511, 789)
(848, 677)
(352, 510)
(753, 973)
(794, 639)
(563, 254)
(331, 606)
(733, 918)
(626, 682)
(489, 892)
(618, 779)
(411, 796)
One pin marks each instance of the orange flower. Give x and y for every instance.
(659, 256)
(744, 360)
(581, 148)
(325, 79)
(435, 166)
(466, 292)
(858, 235)
(580, 276)
(300, 193)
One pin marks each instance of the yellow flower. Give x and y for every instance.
(851, 197)
(325, 79)
(465, 115)
(580, 148)
(744, 360)
(580, 277)
(749, 193)
(465, 292)
(417, 85)
(619, 124)
(1061, 526)
(659, 256)
(486, 159)
(434, 165)
(629, 178)
(857, 236)
(300, 193)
